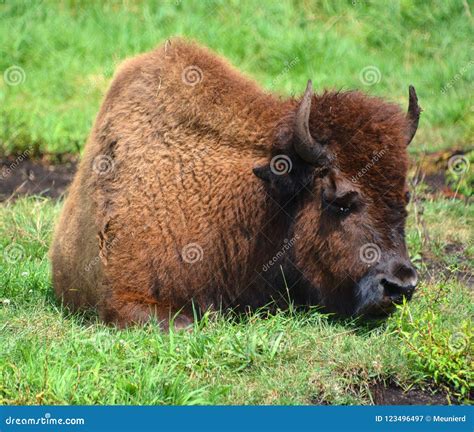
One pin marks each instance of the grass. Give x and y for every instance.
(50, 357)
(63, 55)
(66, 52)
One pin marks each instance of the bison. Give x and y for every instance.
(200, 191)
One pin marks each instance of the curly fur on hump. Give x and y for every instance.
(165, 214)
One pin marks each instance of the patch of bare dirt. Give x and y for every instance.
(431, 170)
(394, 395)
(435, 267)
(20, 177)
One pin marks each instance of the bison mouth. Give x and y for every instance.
(378, 297)
(377, 311)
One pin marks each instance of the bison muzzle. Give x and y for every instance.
(200, 191)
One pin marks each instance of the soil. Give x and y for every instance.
(431, 170)
(20, 177)
(391, 394)
(435, 268)
(394, 395)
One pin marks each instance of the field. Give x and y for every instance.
(57, 59)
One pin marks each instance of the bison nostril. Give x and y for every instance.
(404, 272)
(395, 291)
(391, 289)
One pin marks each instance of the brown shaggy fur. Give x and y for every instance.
(167, 173)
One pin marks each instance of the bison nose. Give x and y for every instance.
(400, 281)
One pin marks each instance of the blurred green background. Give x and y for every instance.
(57, 57)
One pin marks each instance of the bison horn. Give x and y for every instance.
(306, 146)
(413, 115)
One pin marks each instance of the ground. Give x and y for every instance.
(51, 89)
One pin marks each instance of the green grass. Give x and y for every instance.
(67, 52)
(48, 356)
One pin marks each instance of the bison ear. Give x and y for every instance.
(262, 172)
(284, 177)
(413, 114)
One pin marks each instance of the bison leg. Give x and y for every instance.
(129, 309)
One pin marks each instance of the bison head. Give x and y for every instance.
(344, 173)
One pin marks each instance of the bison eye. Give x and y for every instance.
(341, 205)
(407, 197)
